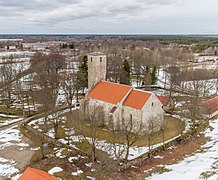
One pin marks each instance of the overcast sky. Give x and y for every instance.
(109, 16)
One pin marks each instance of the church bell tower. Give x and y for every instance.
(97, 68)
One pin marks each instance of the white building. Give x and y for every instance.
(119, 106)
(116, 105)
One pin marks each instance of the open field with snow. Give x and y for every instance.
(203, 164)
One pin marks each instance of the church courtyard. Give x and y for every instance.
(80, 134)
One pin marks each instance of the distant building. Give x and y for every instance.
(165, 100)
(35, 174)
(209, 108)
(115, 105)
(11, 47)
(35, 46)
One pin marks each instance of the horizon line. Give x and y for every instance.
(120, 34)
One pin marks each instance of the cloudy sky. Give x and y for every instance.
(109, 16)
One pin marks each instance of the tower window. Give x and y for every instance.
(152, 104)
(91, 59)
(100, 59)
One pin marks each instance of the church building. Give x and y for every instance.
(118, 106)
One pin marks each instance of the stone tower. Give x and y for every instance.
(97, 68)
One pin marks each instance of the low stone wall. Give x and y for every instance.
(40, 134)
(45, 113)
(47, 138)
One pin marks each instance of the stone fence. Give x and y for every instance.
(45, 137)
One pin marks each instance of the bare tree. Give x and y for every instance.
(130, 134)
(92, 134)
(7, 73)
(56, 119)
(152, 125)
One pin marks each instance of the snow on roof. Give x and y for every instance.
(210, 106)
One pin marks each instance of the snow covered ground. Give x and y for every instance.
(198, 166)
(8, 119)
(210, 85)
(17, 54)
(9, 137)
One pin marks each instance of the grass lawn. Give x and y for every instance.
(173, 128)
(82, 128)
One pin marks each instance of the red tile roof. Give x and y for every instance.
(109, 92)
(210, 106)
(137, 99)
(35, 174)
(164, 100)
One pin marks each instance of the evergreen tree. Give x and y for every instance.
(153, 75)
(125, 73)
(71, 46)
(126, 67)
(65, 45)
(84, 70)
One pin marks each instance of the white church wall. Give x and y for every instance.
(93, 103)
(135, 115)
(153, 111)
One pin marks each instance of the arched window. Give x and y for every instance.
(100, 59)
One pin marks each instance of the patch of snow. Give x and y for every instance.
(10, 134)
(72, 158)
(158, 157)
(7, 167)
(55, 170)
(89, 164)
(89, 177)
(8, 116)
(58, 153)
(77, 173)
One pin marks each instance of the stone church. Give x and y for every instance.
(118, 106)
